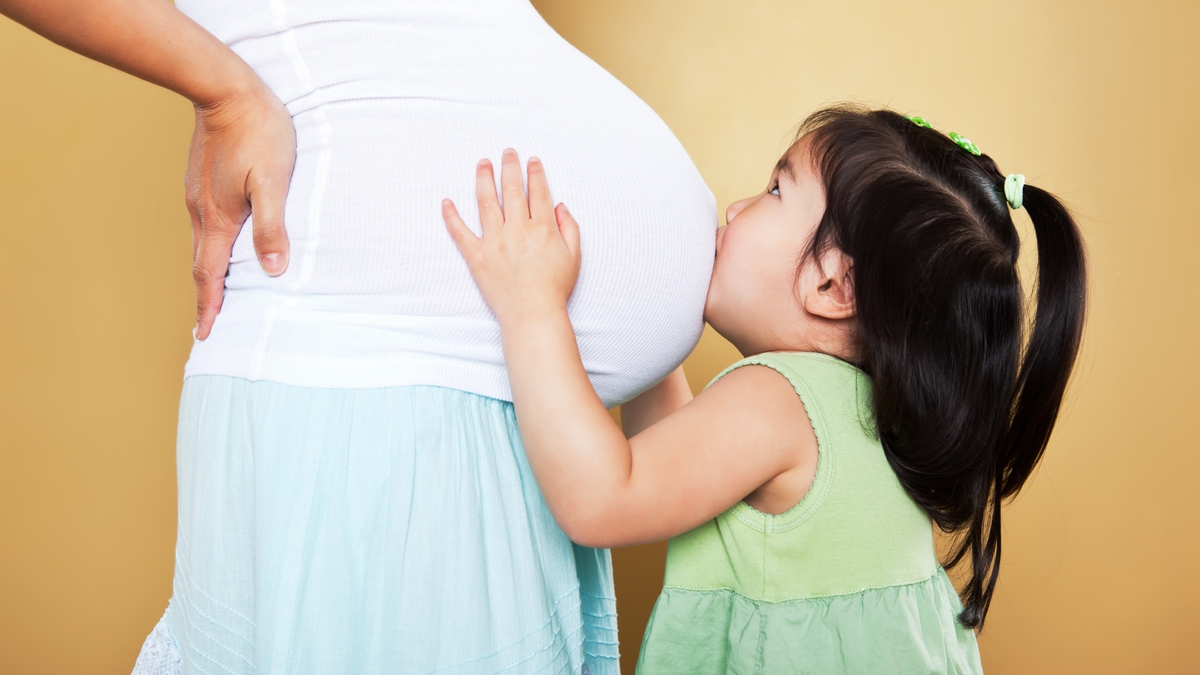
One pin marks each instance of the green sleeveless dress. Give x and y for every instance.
(847, 581)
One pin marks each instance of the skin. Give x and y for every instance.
(243, 147)
(686, 459)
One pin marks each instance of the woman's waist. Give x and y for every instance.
(438, 338)
(262, 336)
(426, 317)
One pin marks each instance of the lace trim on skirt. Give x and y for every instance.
(159, 654)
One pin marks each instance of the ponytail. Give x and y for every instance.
(1054, 343)
(963, 408)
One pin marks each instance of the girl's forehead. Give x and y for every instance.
(795, 160)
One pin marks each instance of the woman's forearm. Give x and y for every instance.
(149, 39)
(244, 144)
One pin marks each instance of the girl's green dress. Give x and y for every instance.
(847, 581)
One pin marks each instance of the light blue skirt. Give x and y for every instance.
(370, 531)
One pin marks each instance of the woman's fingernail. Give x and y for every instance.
(509, 152)
(274, 263)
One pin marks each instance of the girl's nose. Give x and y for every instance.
(735, 208)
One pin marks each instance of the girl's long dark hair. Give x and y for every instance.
(963, 406)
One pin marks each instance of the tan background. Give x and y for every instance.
(1094, 100)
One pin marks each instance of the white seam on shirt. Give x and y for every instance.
(317, 196)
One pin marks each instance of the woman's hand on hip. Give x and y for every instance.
(244, 145)
(240, 163)
(527, 261)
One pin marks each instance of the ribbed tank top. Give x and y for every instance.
(394, 102)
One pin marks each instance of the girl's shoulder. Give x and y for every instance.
(801, 366)
(833, 392)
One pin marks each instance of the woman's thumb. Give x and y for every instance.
(267, 199)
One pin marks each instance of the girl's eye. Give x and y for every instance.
(774, 188)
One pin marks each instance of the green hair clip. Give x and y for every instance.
(960, 141)
(965, 144)
(1014, 185)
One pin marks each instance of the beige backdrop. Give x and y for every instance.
(1095, 101)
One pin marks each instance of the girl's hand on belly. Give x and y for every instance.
(527, 261)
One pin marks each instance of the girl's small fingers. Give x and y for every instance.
(490, 215)
(466, 241)
(568, 228)
(540, 206)
(515, 206)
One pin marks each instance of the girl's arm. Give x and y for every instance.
(605, 490)
(244, 144)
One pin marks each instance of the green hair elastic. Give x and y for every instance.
(1014, 190)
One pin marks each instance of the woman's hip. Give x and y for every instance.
(349, 462)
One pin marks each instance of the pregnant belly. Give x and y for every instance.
(376, 285)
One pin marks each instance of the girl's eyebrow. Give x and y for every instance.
(784, 166)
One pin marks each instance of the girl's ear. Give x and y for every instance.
(830, 294)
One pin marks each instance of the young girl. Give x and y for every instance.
(873, 287)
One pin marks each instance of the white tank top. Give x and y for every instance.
(394, 102)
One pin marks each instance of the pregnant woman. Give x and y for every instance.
(353, 493)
